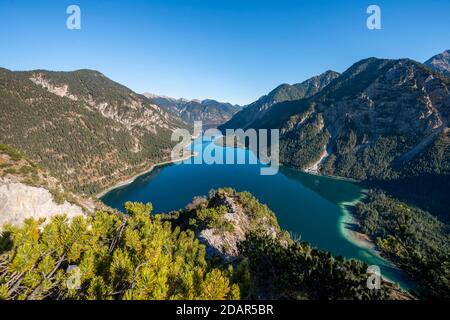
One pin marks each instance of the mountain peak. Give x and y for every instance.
(330, 72)
(211, 112)
(282, 93)
(440, 63)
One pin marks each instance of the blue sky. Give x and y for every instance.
(230, 50)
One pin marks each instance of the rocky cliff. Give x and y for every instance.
(19, 202)
(29, 191)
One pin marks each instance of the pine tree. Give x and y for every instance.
(131, 256)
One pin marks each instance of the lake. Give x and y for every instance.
(309, 206)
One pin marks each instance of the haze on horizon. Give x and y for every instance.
(232, 51)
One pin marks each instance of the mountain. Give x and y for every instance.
(384, 123)
(86, 129)
(381, 120)
(393, 109)
(440, 63)
(211, 112)
(284, 92)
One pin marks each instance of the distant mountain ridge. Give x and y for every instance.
(284, 92)
(213, 113)
(440, 63)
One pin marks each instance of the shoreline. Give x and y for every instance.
(350, 229)
(355, 236)
(133, 178)
(318, 174)
(362, 240)
(353, 233)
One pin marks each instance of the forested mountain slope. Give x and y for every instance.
(249, 116)
(377, 108)
(86, 129)
(412, 238)
(375, 122)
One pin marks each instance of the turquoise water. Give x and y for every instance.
(308, 206)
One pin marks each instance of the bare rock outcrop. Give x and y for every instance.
(242, 220)
(19, 201)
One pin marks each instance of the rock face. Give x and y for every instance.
(111, 99)
(211, 112)
(29, 191)
(19, 201)
(440, 63)
(250, 115)
(225, 243)
(239, 211)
